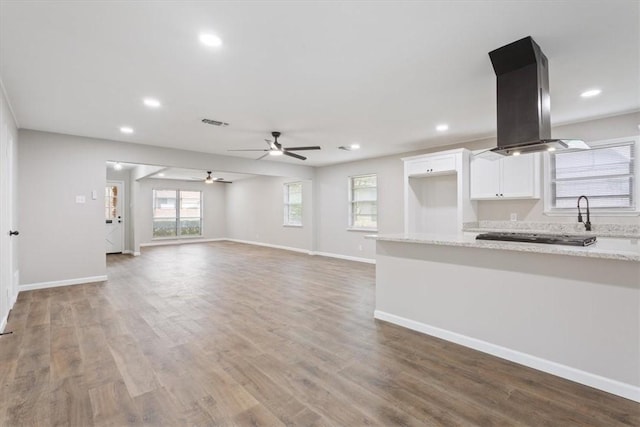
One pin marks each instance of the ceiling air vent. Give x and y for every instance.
(214, 122)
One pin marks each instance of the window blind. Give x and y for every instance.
(604, 174)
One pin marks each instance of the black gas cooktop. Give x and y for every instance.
(539, 238)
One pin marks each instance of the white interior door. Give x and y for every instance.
(113, 201)
(8, 289)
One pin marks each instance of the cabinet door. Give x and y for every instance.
(443, 164)
(418, 167)
(521, 176)
(485, 178)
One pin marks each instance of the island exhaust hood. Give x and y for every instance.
(524, 111)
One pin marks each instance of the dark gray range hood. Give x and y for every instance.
(524, 111)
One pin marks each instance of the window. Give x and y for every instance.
(606, 174)
(293, 204)
(111, 202)
(177, 213)
(363, 202)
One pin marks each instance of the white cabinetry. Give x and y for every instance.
(431, 166)
(514, 177)
(436, 190)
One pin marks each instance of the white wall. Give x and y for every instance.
(567, 315)
(64, 241)
(213, 207)
(332, 209)
(332, 198)
(255, 212)
(533, 210)
(8, 290)
(60, 239)
(68, 244)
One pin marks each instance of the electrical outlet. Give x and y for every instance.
(360, 247)
(514, 217)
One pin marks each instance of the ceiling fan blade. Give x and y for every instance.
(248, 149)
(264, 155)
(297, 156)
(224, 182)
(314, 147)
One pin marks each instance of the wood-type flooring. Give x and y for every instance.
(224, 334)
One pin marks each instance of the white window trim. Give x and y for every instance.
(350, 226)
(178, 236)
(285, 219)
(549, 211)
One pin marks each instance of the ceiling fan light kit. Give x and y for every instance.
(210, 179)
(276, 149)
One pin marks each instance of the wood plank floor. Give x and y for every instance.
(231, 334)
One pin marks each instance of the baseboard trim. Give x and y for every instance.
(57, 283)
(130, 252)
(178, 242)
(252, 242)
(347, 257)
(269, 245)
(618, 388)
(304, 251)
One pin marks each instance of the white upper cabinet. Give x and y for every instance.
(514, 177)
(436, 192)
(431, 165)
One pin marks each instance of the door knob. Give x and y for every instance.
(13, 233)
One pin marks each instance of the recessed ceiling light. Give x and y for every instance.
(117, 166)
(210, 40)
(151, 102)
(551, 149)
(160, 174)
(591, 92)
(275, 153)
(126, 129)
(443, 127)
(355, 146)
(516, 153)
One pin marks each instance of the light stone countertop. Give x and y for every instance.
(607, 248)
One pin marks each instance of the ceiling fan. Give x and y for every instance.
(276, 149)
(210, 180)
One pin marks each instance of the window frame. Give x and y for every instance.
(549, 210)
(287, 205)
(178, 236)
(350, 223)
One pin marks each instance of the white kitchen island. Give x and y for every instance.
(570, 311)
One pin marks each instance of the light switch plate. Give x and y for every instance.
(80, 199)
(94, 194)
(514, 217)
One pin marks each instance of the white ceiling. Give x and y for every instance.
(382, 74)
